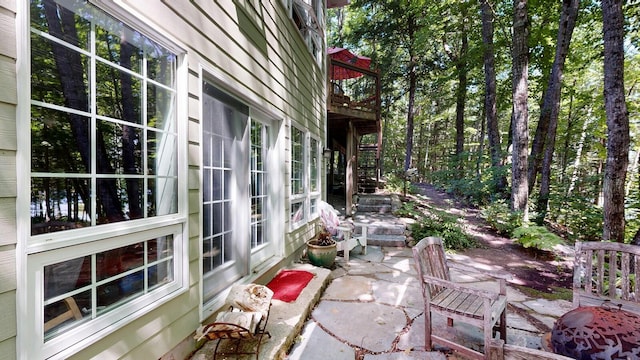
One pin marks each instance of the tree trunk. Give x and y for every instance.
(576, 163)
(493, 130)
(130, 142)
(551, 107)
(617, 121)
(461, 93)
(412, 77)
(410, 115)
(519, 187)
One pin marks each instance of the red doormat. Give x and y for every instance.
(288, 284)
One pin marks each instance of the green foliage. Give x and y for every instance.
(538, 237)
(408, 210)
(582, 219)
(445, 226)
(395, 183)
(475, 190)
(501, 218)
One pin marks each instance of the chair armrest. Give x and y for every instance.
(460, 287)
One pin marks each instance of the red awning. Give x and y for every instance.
(339, 73)
(336, 3)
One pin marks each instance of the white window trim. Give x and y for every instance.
(317, 194)
(31, 258)
(307, 195)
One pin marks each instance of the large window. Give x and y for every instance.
(305, 176)
(107, 236)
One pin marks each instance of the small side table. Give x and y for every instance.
(349, 242)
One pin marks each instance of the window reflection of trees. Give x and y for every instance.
(107, 141)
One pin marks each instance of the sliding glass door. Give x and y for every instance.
(235, 191)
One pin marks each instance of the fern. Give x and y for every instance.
(538, 237)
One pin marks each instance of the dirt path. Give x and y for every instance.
(546, 273)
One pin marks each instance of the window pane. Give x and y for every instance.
(120, 199)
(314, 159)
(297, 212)
(51, 20)
(113, 262)
(207, 148)
(60, 142)
(161, 65)
(50, 83)
(116, 46)
(59, 204)
(123, 147)
(297, 161)
(160, 248)
(162, 196)
(228, 247)
(218, 218)
(162, 153)
(216, 252)
(118, 94)
(207, 255)
(217, 184)
(160, 108)
(66, 276)
(207, 220)
(67, 313)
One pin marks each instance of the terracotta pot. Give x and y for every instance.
(323, 256)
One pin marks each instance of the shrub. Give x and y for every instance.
(445, 226)
(501, 218)
(396, 184)
(408, 210)
(538, 237)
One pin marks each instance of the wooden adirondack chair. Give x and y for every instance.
(607, 272)
(481, 308)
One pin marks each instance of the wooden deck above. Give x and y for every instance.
(353, 97)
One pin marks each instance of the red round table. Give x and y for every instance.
(597, 332)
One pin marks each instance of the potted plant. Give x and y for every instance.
(321, 249)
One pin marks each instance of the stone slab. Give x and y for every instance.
(371, 326)
(315, 344)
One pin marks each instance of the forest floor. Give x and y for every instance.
(539, 273)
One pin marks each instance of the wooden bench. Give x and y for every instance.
(606, 272)
(480, 308)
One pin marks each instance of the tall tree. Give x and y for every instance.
(617, 121)
(490, 107)
(460, 61)
(545, 137)
(520, 131)
(412, 77)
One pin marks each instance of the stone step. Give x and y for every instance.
(374, 200)
(382, 229)
(387, 240)
(381, 204)
(379, 208)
